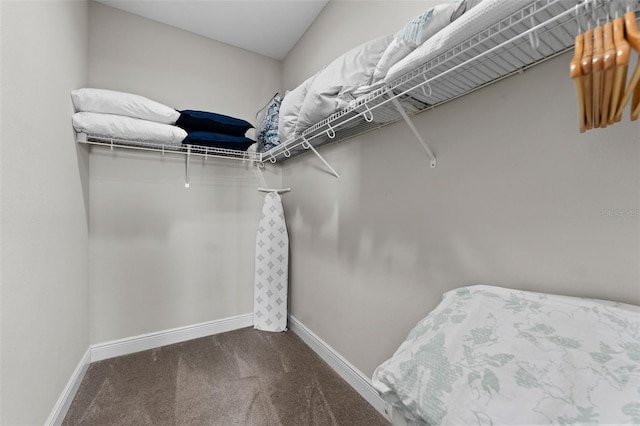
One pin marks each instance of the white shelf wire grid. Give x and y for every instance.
(539, 31)
(183, 149)
(535, 33)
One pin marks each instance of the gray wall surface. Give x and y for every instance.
(519, 199)
(163, 256)
(44, 197)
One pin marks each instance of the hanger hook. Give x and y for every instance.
(588, 12)
(602, 10)
(426, 83)
(368, 115)
(330, 132)
(578, 18)
(287, 153)
(534, 38)
(614, 5)
(305, 143)
(631, 4)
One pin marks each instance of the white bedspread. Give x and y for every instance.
(489, 355)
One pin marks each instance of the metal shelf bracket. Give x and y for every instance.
(417, 134)
(307, 145)
(188, 165)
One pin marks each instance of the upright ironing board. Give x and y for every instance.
(272, 267)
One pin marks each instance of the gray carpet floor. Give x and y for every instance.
(244, 377)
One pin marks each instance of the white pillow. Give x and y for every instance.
(290, 108)
(397, 49)
(465, 6)
(121, 103)
(345, 74)
(485, 14)
(413, 34)
(121, 127)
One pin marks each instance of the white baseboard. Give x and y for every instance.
(62, 405)
(353, 376)
(145, 342)
(136, 344)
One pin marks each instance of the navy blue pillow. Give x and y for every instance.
(218, 140)
(202, 121)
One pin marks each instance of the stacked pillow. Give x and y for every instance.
(326, 94)
(214, 130)
(290, 108)
(360, 70)
(125, 104)
(121, 115)
(124, 116)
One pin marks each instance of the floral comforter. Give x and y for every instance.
(494, 356)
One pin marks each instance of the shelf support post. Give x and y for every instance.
(187, 165)
(407, 119)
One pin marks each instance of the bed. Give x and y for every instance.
(491, 355)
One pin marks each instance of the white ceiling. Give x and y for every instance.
(268, 27)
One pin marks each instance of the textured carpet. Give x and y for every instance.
(245, 378)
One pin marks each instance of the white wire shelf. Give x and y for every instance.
(539, 31)
(191, 150)
(536, 33)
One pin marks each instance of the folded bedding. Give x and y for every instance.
(127, 128)
(491, 355)
(204, 121)
(362, 70)
(416, 32)
(346, 73)
(479, 17)
(128, 117)
(218, 140)
(121, 103)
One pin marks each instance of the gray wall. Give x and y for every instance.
(163, 256)
(519, 199)
(44, 215)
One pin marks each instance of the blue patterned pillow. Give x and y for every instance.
(267, 126)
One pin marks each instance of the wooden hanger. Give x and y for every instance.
(587, 71)
(636, 104)
(577, 76)
(633, 37)
(597, 65)
(609, 72)
(623, 51)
